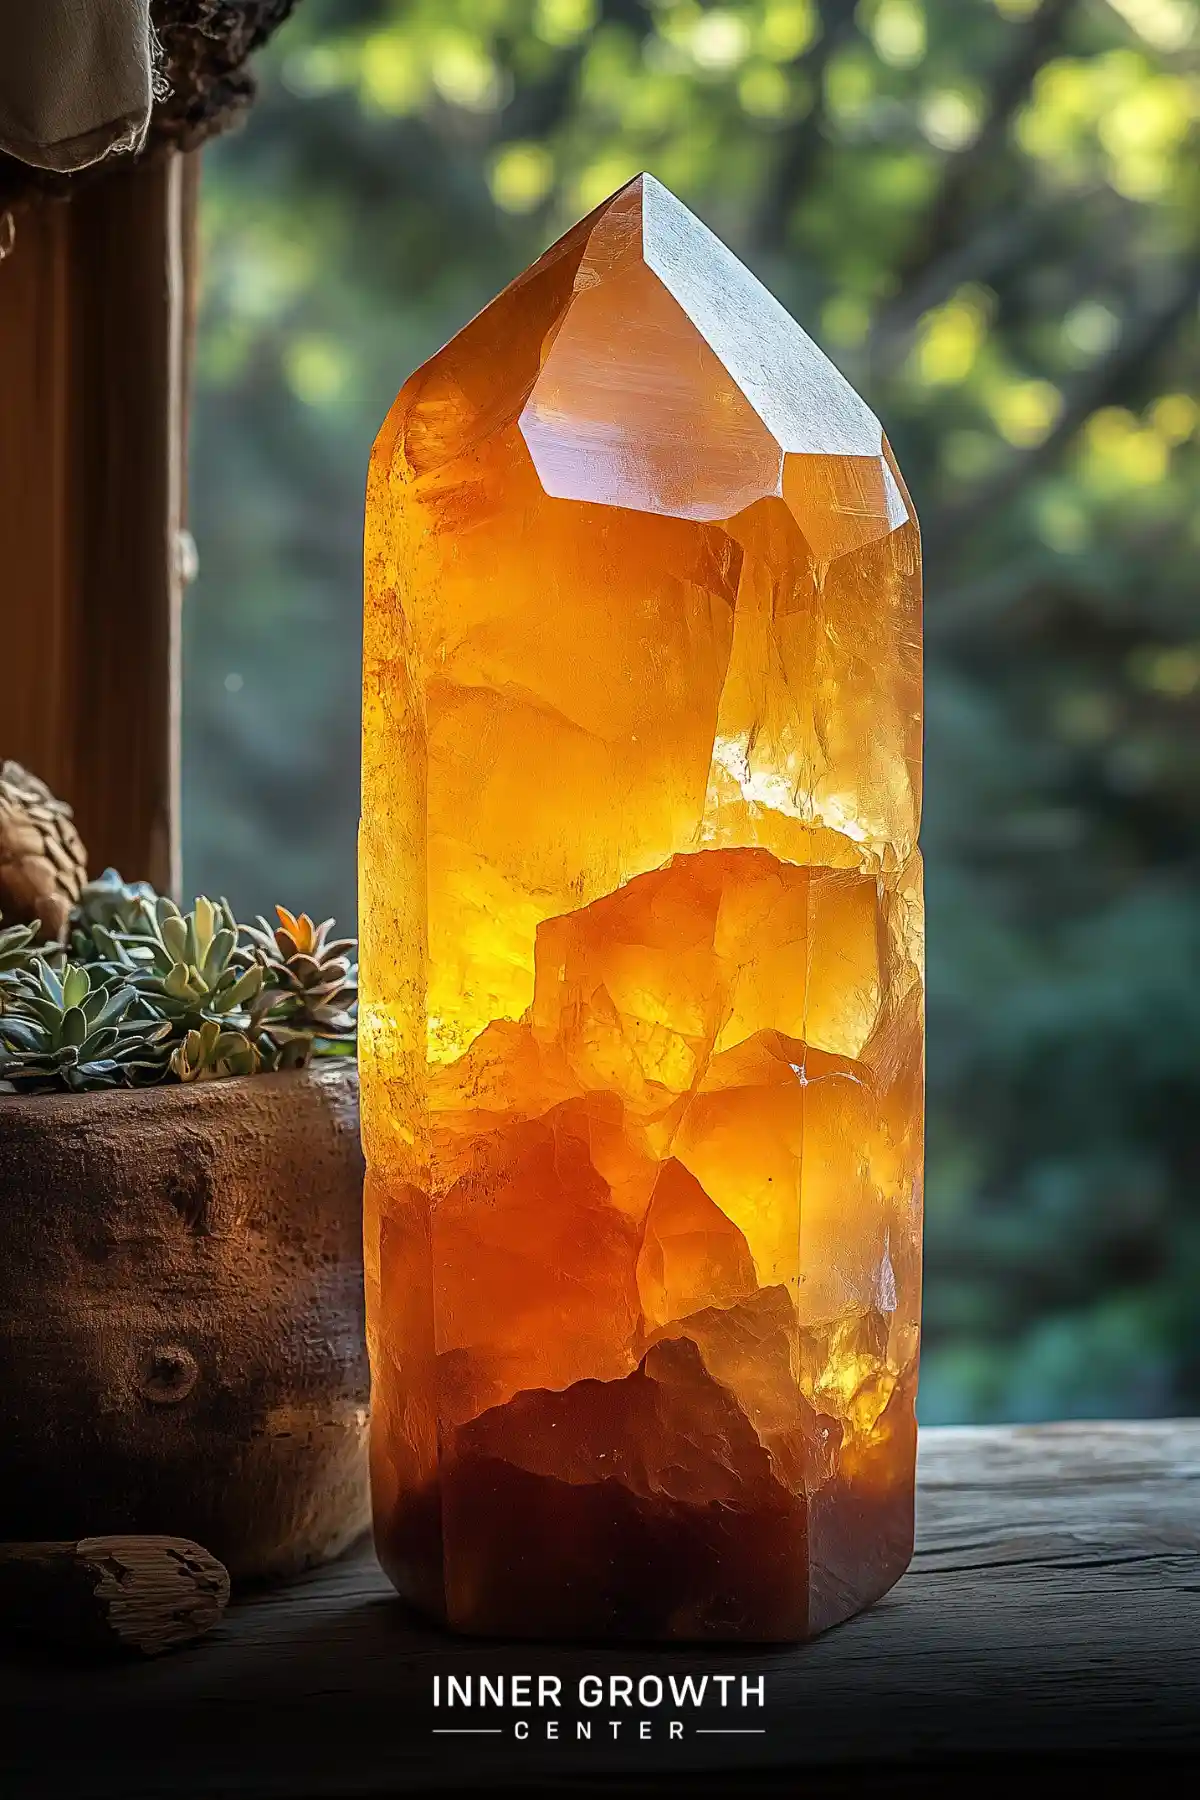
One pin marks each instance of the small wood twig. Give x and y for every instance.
(111, 1595)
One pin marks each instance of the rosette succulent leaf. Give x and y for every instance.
(16, 952)
(65, 1029)
(114, 905)
(209, 1053)
(188, 966)
(310, 984)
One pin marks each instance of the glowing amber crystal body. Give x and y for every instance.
(641, 1029)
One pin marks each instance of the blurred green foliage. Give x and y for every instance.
(989, 212)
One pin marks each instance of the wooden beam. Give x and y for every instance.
(93, 343)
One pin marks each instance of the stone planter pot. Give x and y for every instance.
(181, 1317)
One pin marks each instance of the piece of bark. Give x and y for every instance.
(115, 1595)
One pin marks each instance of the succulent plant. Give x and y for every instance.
(186, 966)
(310, 986)
(147, 993)
(208, 1053)
(67, 1030)
(16, 949)
(108, 905)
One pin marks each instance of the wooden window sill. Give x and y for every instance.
(1052, 1608)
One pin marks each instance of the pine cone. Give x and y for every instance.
(43, 864)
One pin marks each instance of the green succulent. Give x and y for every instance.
(109, 905)
(66, 1029)
(19, 951)
(16, 948)
(186, 967)
(148, 993)
(208, 1053)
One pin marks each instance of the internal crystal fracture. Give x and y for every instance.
(641, 1026)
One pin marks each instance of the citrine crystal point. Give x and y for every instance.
(642, 978)
(675, 383)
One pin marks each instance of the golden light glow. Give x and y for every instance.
(641, 959)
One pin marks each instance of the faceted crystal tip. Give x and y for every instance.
(673, 382)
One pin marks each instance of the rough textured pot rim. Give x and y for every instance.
(180, 1094)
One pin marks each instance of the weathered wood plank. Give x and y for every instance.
(1053, 1608)
(93, 312)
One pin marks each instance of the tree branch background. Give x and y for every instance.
(988, 211)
